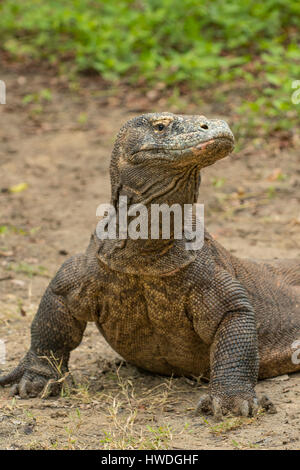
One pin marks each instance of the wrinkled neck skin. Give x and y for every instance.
(158, 185)
(153, 185)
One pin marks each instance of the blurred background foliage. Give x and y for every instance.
(253, 47)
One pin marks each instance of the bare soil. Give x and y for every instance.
(54, 156)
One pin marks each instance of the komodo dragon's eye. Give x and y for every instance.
(159, 127)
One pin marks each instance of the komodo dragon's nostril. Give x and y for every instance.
(204, 126)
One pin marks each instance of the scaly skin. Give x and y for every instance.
(168, 310)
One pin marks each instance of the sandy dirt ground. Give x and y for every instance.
(54, 153)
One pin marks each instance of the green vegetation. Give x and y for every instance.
(254, 47)
(27, 269)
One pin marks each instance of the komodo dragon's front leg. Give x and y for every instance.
(56, 330)
(234, 359)
(234, 368)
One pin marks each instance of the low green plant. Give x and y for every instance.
(203, 44)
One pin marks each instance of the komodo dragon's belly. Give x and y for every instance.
(148, 325)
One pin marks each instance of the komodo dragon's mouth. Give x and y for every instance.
(224, 142)
(227, 142)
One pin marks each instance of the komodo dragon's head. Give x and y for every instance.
(162, 153)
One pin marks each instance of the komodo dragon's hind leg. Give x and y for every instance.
(288, 269)
(279, 349)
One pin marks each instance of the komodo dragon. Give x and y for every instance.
(164, 308)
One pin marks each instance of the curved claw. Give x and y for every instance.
(267, 404)
(14, 376)
(14, 390)
(244, 408)
(204, 405)
(255, 407)
(217, 408)
(23, 388)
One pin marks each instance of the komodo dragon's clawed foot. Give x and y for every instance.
(33, 386)
(238, 406)
(219, 406)
(34, 377)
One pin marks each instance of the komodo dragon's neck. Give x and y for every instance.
(154, 256)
